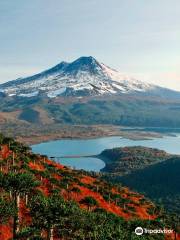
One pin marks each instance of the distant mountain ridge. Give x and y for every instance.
(82, 77)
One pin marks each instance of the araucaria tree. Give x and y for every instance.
(18, 185)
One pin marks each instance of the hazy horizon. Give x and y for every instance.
(140, 39)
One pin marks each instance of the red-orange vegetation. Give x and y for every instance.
(56, 176)
(171, 236)
(135, 199)
(143, 214)
(24, 215)
(44, 190)
(56, 165)
(5, 152)
(101, 202)
(87, 180)
(45, 187)
(36, 166)
(141, 210)
(5, 232)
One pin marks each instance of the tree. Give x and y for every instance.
(89, 201)
(7, 210)
(49, 212)
(17, 184)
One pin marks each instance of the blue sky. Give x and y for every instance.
(141, 38)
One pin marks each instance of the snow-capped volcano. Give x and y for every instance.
(82, 77)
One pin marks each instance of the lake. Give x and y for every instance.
(62, 148)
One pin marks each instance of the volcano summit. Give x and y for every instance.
(82, 77)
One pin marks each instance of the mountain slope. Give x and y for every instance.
(87, 92)
(160, 182)
(122, 161)
(83, 77)
(151, 171)
(117, 110)
(40, 199)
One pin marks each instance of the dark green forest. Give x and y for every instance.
(118, 110)
(152, 172)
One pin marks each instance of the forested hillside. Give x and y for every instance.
(150, 171)
(120, 161)
(160, 182)
(40, 199)
(127, 110)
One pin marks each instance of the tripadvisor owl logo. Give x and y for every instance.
(139, 231)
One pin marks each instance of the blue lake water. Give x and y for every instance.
(74, 147)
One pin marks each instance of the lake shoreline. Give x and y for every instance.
(77, 152)
(131, 135)
(34, 133)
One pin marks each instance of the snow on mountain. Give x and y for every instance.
(83, 77)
